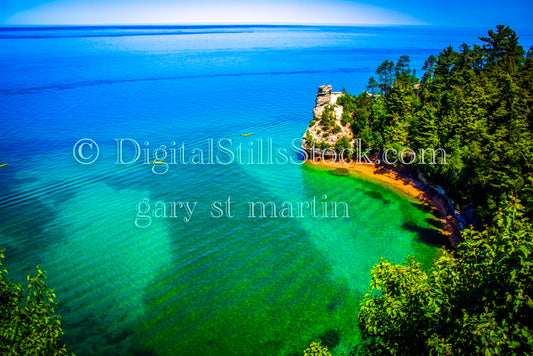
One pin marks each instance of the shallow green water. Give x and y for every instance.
(235, 285)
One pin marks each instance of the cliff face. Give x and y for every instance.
(326, 128)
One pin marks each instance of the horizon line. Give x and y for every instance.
(235, 24)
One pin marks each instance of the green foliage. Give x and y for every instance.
(310, 140)
(316, 349)
(344, 143)
(373, 86)
(358, 113)
(327, 118)
(382, 119)
(474, 102)
(478, 301)
(323, 145)
(28, 322)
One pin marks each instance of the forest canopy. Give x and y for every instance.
(475, 102)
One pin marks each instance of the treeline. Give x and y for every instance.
(476, 104)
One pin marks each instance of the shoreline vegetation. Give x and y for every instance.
(475, 104)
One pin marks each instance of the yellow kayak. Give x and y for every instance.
(155, 162)
(248, 134)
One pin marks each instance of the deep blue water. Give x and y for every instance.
(209, 285)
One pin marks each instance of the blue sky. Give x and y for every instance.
(476, 13)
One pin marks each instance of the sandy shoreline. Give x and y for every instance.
(405, 185)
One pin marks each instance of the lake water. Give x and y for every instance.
(203, 280)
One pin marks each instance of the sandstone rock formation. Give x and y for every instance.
(326, 128)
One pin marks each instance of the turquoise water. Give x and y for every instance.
(203, 285)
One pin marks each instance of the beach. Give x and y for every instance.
(405, 185)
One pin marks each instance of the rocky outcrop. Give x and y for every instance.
(323, 96)
(326, 128)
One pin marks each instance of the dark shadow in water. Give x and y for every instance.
(341, 172)
(330, 338)
(435, 223)
(143, 353)
(29, 226)
(314, 294)
(106, 340)
(61, 193)
(24, 180)
(424, 207)
(119, 335)
(295, 353)
(374, 194)
(334, 305)
(28, 220)
(429, 236)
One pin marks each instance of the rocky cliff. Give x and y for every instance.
(326, 128)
